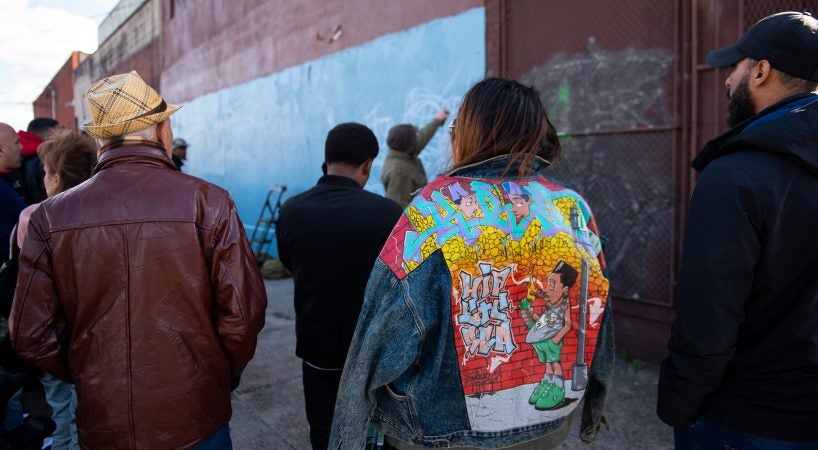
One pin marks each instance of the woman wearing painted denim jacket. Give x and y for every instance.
(485, 319)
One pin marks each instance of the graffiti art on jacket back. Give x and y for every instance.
(527, 290)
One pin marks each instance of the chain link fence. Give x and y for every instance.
(755, 10)
(605, 72)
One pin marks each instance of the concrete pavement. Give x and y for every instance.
(268, 406)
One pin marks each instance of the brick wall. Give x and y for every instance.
(524, 366)
(57, 99)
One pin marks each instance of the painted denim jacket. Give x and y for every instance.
(483, 317)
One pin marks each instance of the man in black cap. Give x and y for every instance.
(743, 365)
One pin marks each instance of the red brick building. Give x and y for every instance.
(57, 99)
(131, 42)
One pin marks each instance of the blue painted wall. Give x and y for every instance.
(271, 130)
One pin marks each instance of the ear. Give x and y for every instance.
(165, 135)
(366, 167)
(760, 73)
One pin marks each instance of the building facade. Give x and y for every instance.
(57, 99)
(263, 81)
(131, 42)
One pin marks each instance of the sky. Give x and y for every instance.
(36, 39)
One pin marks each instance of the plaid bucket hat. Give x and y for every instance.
(123, 104)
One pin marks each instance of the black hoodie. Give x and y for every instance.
(744, 346)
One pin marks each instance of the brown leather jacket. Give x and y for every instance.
(140, 287)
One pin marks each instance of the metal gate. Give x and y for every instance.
(626, 85)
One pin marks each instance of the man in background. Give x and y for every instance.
(149, 299)
(31, 170)
(743, 365)
(329, 238)
(179, 152)
(11, 204)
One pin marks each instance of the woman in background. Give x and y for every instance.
(68, 158)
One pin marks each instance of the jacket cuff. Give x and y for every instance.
(588, 431)
(676, 409)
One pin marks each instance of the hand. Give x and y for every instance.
(443, 114)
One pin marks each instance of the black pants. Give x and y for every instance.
(320, 390)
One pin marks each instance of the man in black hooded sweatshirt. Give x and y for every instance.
(743, 363)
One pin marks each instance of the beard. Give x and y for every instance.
(741, 106)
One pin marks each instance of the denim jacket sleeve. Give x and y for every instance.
(386, 342)
(600, 380)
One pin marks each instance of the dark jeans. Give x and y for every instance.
(320, 390)
(704, 434)
(220, 440)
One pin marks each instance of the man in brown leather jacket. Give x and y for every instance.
(140, 286)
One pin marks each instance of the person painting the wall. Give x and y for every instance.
(403, 171)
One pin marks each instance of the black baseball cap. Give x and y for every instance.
(788, 40)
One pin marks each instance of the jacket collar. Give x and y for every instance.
(140, 151)
(752, 130)
(497, 165)
(401, 155)
(338, 180)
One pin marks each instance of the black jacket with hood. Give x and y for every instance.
(744, 346)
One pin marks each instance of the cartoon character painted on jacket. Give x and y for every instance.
(462, 195)
(519, 198)
(546, 333)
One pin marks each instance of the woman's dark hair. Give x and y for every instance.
(503, 117)
(70, 154)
